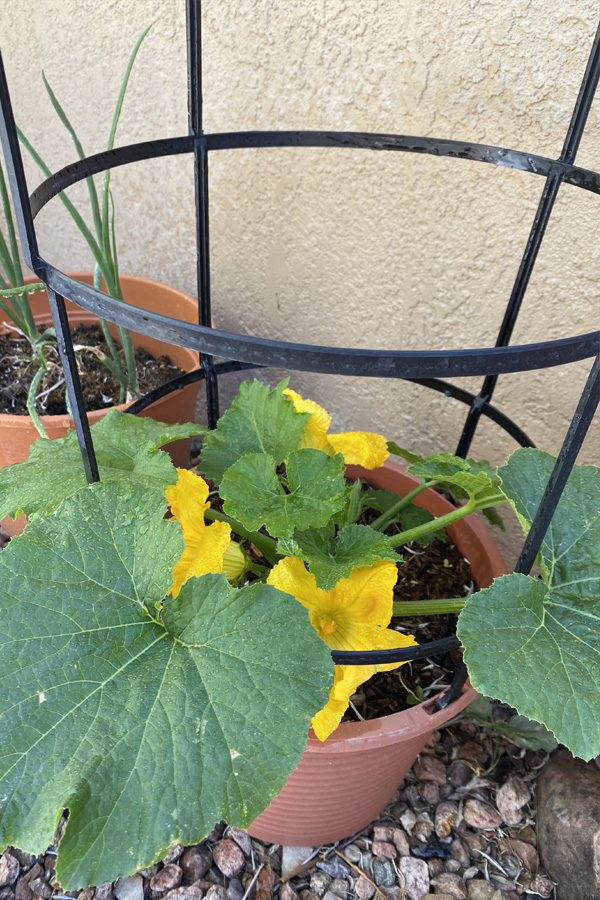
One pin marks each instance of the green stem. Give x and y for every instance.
(384, 520)
(13, 316)
(429, 607)
(266, 545)
(121, 376)
(31, 396)
(414, 534)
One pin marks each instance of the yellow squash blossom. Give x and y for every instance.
(205, 545)
(351, 616)
(360, 448)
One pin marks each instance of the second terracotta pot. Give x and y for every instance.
(342, 784)
(17, 433)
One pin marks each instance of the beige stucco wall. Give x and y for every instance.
(356, 248)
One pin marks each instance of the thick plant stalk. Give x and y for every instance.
(31, 397)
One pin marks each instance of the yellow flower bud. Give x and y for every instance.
(235, 561)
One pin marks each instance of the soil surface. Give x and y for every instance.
(100, 387)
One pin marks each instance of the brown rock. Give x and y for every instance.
(510, 798)
(319, 882)
(383, 832)
(437, 896)
(478, 889)
(86, 894)
(217, 832)
(242, 839)
(383, 848)
(401, 842)
(288, 892)
(430, 768)
(36, 871)
(308, 895)
(173, 853)
(436, 867)
(265, 883)
(544, 887)
(188, 892)
(26, 860)
(430, 792)
(41, 887)
(9, 869)
(475, 841)
(416, 877)
(459, 773)
(166, 879)
(229, 858)
(479, 815)
(103, 891)
(451, 884)
(460, 852)
(526, 853)
(195, 862)
(23, 890)
(216, 892)
(363, 888)
(526, 834)
(473, 753)
(446, 814)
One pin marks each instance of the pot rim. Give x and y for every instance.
(13, 420)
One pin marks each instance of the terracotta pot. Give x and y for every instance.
(342, 784)
(17, 433)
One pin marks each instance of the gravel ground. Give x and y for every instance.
(461, 827)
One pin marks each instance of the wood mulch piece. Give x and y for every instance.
(100, 387)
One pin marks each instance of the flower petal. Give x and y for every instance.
(315, 434)
(360, 448)
(291, 576)
(368, 593)
(188, 497)
(202, 556)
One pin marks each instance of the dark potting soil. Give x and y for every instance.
(435, 571)
(100, 387)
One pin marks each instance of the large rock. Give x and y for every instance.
(568, 826)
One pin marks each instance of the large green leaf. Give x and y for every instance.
(534, 643)
(332, 558)
(254, 495)
(259, 420)
(146, 730)
(127, 447)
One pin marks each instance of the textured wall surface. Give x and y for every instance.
(355, 249)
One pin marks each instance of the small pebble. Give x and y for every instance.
(452, 884)
(173, 853)
(460, 852)
(308, 895)
(242, 839)
(216, 892)
(149, 871)
(452, 865)
(335, 867)
(332, 895)
(510, 799)
(459, 773)
(383, 872)
(353, 853)
(363, 888)
(430, 792)
(166, 879)
(288, 892)
(319, 882)
(430, 768)
(339, 885)
(479, 815)
(435, 867)
(23, 889)
(446, 814)
(235, 891)
(103, 891)
(195, 863)
(228, 857)
(130, 888)
(383, 832)
(408, 820)
(478, 889)
(9, 869)
(189, 892)
(86, 894)
(41, 887)
(416, 877)
(26, 860)
(382, 848)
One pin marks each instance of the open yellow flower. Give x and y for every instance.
(205, 545)
(360, 448)
(351, 616)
